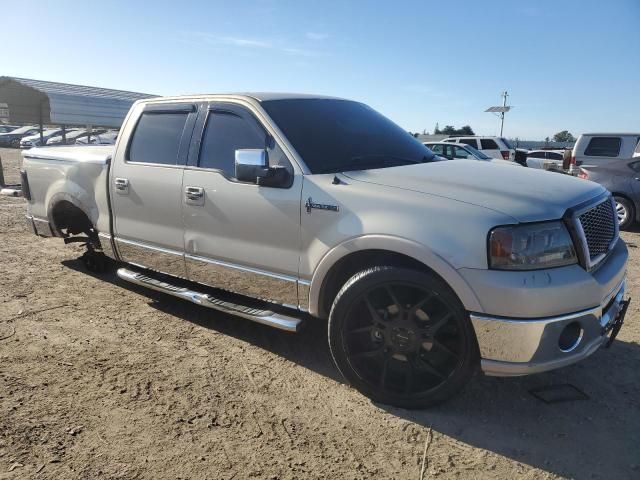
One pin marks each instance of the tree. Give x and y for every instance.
(436, 131)
(466, 130)
(563, 136)
(449, 130)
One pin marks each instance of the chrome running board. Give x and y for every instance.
(266, 317)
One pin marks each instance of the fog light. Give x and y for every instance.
(570, 337)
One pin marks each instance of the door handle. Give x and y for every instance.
(122, 185)
(194, 193)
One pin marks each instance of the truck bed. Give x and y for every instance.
(73, 175)
(89, 154)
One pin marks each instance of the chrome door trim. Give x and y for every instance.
(152, 257)
(264, 285)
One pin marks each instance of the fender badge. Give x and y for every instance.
(309, 205)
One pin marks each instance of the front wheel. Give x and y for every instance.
(625, 212)
(402, 337)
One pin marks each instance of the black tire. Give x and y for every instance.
(625, 211)
(382, 322)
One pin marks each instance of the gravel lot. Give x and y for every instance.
(101, 379)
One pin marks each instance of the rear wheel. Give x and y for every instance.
(625, 212)
(402, 337)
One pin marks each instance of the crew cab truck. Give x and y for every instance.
(280, 208)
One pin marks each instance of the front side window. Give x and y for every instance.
(156, 138)
(225, 133)
(554, 156)
(603, 147)
(469, 141)
(536, 155)
(488, 144)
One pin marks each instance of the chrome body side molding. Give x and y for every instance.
(260, 284)
(152, 257)
(266, 317)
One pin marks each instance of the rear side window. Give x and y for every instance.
(536, 155)
(470, 141)
(603, 147)
(157, 138)
(225, 133)
(488, 144)
(554, 156)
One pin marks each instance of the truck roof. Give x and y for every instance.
(615, 134)
(259, 96)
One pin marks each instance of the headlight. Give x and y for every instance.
(531, 246)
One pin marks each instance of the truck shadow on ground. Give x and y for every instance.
(597, 437)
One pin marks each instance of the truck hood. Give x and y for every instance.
(527, 195)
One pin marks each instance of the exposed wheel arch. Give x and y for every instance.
(67, 218)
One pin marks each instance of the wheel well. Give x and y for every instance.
(66, 216)
(347, 267)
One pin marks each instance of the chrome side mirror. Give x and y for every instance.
(251, 164)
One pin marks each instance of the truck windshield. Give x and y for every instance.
(339, 135)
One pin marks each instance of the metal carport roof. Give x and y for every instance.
(41, 102)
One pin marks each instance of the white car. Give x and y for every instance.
(71, 137)
(462, 152)
(34, 140)
(494, 147)
(105, 138)
(545, 159)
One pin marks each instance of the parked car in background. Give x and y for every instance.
(12, 138)
(494, 147)
(461, 152)
(599, 149)
(622, 179)
(71, 137)
(545, 159)
(106, 138)
(36, 140)
(7, 128)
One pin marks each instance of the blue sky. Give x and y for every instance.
(567, 64)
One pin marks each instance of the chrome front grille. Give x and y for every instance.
(600, 229)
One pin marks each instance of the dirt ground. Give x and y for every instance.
(101, 379)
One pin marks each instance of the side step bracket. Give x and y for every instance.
(266, 317)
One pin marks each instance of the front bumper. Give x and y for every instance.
(511, 347)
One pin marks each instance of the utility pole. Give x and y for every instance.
(504, 105)
(502, 109)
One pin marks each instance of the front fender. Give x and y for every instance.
(400, 245)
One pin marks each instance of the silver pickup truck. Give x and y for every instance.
(281, 208)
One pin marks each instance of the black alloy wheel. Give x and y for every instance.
(402, 337)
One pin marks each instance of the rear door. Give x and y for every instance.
(240, 236)
(146, 186)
